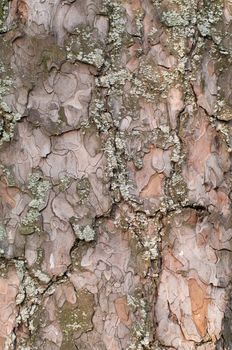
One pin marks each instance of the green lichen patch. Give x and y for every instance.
(116, 155)
(186, 23)
(28, 299)
(8, 174)
(140, 227)
(76, 319)
(178, 188)
(39, 189)
(4, 7)
(152, 82)
(83, 188)
(208, 15)
(98, 112)
(95, 57)
(42, 277)
(2, 232)
(117, 34)
(4, 268)
(30, 223)
(86, 233)
(8, 121)
(141, 337)
(82, 46)
(114, 80)
(65, 182)
(8, 116)
(186, 13)
(178, 13)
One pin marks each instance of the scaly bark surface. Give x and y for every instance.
(115, 174)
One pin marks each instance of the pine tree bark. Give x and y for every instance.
(115, 174)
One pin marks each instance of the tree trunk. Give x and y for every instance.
(115, 183)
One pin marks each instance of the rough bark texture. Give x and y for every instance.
(115, 183)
